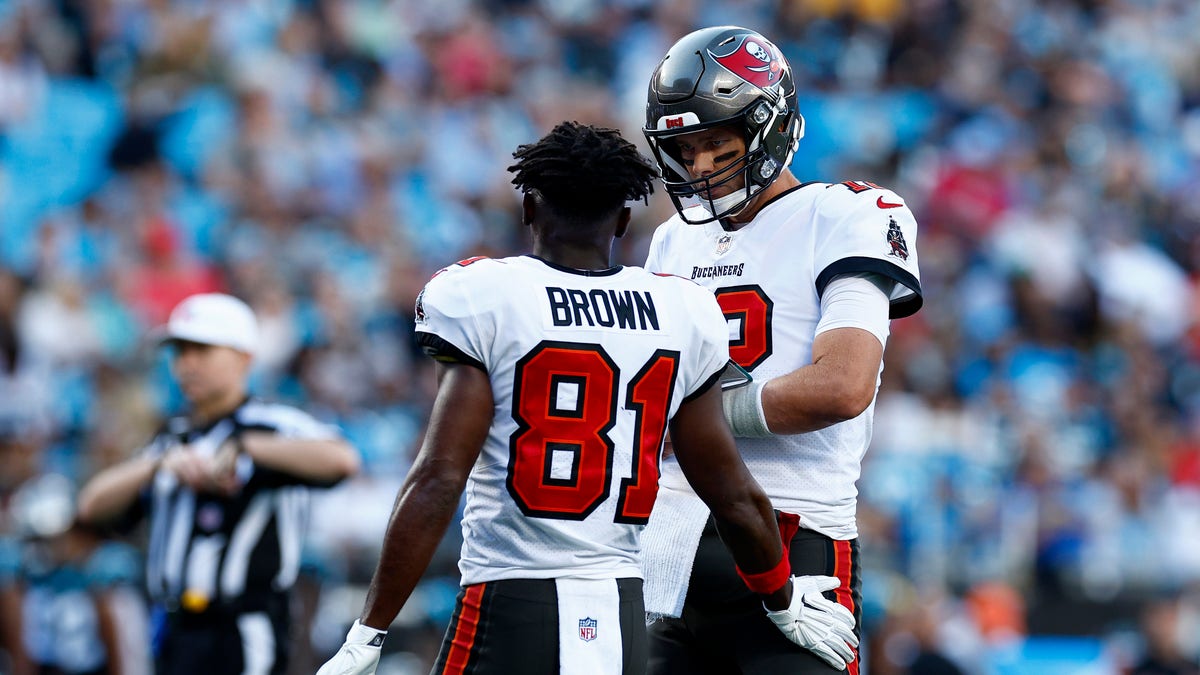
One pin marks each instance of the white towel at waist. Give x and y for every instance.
(669, 545)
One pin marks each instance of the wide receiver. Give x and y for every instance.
(808, 276)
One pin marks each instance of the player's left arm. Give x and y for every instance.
(458, 427)
(837, 386)
(448, 326)
(867, 258)
(840, 381)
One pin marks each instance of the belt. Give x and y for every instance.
(193, 608)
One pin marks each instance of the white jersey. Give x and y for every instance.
(586, 368)
(768, 277)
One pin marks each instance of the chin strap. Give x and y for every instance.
(721, 204)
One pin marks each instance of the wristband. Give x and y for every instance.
(744, 411)
(765, 583)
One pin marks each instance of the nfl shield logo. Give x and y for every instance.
(587, 629)
(724, 244)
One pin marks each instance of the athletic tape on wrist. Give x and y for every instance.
(744, 411)
(765, 583)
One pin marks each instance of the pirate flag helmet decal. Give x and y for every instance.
(725, 75)
(754, 60)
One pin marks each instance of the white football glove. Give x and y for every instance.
(359, 655)
(823, 627)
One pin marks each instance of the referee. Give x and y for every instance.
(226, 491)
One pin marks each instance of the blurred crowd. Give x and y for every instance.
(1037, 440)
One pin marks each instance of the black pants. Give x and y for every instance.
(510, 627)
(724, 629)
(226, 642)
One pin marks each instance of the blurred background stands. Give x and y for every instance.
(1036, 463)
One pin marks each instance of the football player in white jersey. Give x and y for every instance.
(808, 276)
(559, 376)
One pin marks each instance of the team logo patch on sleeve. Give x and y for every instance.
(419, 309)
(895, 239)
(587, 629)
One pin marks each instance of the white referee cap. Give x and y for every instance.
(214, 319)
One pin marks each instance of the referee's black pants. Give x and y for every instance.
(226, 642)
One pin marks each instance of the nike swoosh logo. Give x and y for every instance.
(887, 205)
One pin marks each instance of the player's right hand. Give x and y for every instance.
(823, 627)
(359, 655)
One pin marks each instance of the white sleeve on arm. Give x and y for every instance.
(857, 301)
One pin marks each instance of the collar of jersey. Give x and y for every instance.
(571, 270)
(232, 414)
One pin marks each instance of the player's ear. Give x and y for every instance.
(623, 222)
(528, 209)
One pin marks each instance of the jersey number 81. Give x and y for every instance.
(565, 404)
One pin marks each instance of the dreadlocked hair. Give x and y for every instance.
(583, 171)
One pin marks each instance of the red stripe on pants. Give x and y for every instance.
(464, 632)
(843, 564)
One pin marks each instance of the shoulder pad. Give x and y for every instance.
(465, 262)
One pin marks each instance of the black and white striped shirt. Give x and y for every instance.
(212, 551)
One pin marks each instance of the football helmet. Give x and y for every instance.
(713, 77)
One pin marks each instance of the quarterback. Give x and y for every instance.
(808, 276)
